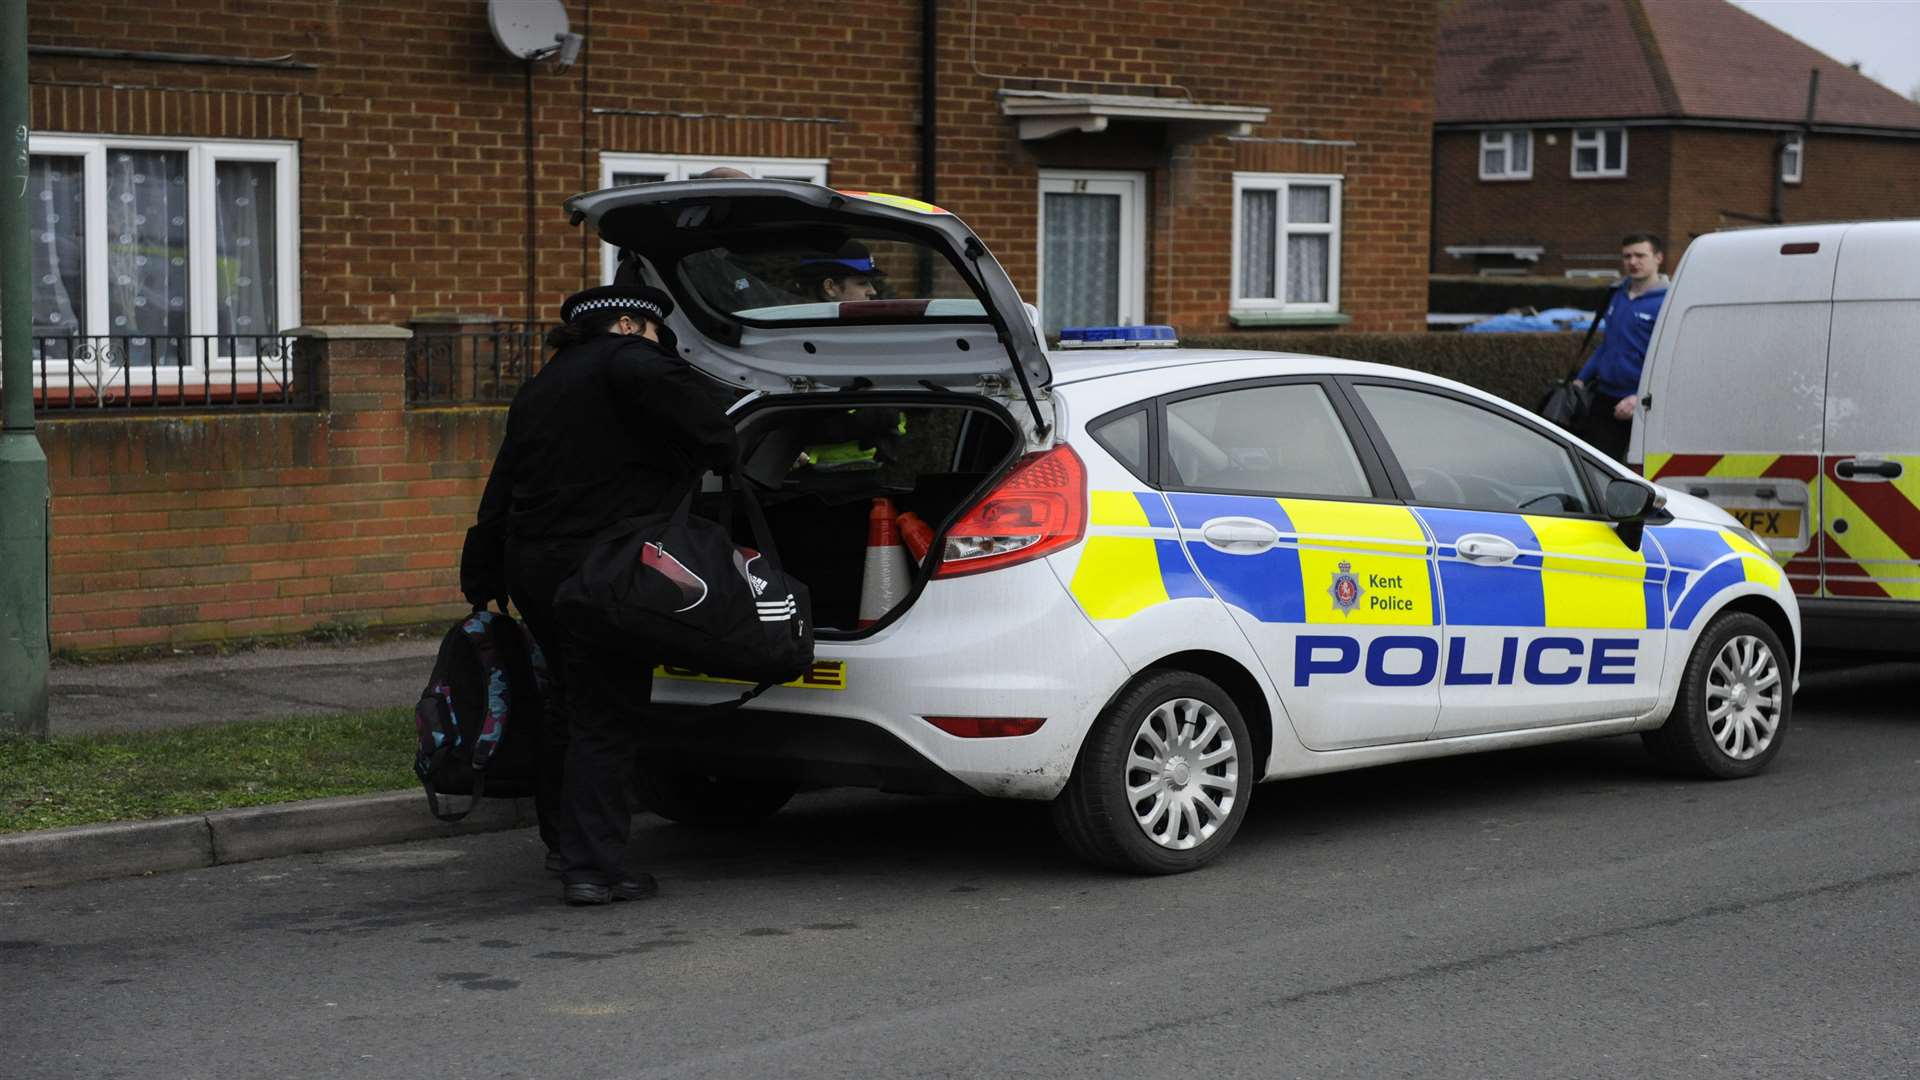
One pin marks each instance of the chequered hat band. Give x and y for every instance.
(624, 303)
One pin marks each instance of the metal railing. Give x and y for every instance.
(472, 367)
(82, 374)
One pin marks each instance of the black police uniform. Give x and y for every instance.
(612, 427)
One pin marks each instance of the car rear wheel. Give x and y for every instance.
(698, 799)
(1162, 782)
(1734, 705)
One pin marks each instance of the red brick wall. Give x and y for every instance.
(410, 129)
(1843, 177)
(1566, 216)
(1680, 183)
(179, 529)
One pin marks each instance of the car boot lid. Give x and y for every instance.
(748, 263)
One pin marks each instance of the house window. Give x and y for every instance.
(1506, 155)
(618, 170)
(1093, 249)
(1286, 243)
(149, 242)
(1600, 152)
(1791, 154)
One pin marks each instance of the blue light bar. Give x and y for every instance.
(1117, 337)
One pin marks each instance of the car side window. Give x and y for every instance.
(1125, 437)
(1459, 454)
(1273, 440)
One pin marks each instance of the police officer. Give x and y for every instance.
(613, 426)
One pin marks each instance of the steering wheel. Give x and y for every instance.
(1559, 501)
(1429, 485)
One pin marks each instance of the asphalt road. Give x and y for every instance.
(1556, 912)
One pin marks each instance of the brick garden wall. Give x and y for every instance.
(176, 529)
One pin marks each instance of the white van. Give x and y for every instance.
(1784, 385)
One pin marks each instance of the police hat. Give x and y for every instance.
(636, 300)
(851, 258)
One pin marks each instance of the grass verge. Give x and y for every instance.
(85, 779)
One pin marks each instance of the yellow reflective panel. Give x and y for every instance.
(1116, 508)
(1379, 527)
(1742, 465)
(1118, 576)
(1590, 578)
(900, 201)
(1362, 563)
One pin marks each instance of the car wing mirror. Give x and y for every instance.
(1628, 503)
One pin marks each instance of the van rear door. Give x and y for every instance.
(1872, 459)
(1736, 383)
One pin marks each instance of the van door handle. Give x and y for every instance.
(1239, 536)
(1486, 549)
(1853, 468)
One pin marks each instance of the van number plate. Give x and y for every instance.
(1782, 524)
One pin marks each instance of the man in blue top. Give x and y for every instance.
(1613, 371)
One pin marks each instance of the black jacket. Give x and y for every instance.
(610, 428)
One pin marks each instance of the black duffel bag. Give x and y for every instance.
(677, 590)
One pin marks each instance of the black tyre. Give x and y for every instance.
(698, 799)
(1735, 702)
(1163, 780)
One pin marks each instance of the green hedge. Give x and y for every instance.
(1518, 367)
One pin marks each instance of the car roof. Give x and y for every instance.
(1082, 365)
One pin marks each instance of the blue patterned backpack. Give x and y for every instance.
(489, 671)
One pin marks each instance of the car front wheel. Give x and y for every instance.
(1163, 780)
(1735, 701)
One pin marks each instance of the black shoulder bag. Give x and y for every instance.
(1565, 403)
(675, 589)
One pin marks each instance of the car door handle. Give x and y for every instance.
(1486, 549)
(1239, 536)
(1851, 468)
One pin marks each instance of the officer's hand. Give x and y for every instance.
(1625, 408)
(1578, 385)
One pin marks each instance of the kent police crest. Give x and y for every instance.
(1345, 590)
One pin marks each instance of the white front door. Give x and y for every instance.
(1093, 249)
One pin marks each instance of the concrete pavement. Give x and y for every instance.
(266, 684)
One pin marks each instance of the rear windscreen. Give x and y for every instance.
(816, 275)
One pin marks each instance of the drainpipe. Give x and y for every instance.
(929, 109)
(24, 648)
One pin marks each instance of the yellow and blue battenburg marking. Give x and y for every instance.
(1345, 563)
(1123, 572)
(1705, 562)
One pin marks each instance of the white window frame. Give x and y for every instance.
(686, 166)
(1506, 139)
(1131, 187)
(203, 308)
(1282, 183)
(1595, 139)
(1796, 151)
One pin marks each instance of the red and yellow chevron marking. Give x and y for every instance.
(1878, 554)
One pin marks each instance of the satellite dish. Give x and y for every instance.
(527, 29)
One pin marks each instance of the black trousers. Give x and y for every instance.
(592, 736)
(1599, 427)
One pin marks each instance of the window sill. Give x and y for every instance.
(1289, 318)
(1506, 179)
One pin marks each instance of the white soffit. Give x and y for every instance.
(1043, 114)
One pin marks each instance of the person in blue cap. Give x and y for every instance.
(848, 273)
(614, 425)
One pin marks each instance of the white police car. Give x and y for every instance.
(1158, 575)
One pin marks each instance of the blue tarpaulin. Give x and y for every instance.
(1560, 318)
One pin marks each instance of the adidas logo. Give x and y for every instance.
(777, 610)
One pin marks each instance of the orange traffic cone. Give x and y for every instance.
(916, 534)
(885, 579)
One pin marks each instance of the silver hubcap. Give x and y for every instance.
(1743, 697)
(1183, 773)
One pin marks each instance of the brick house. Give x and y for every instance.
(1561, 125)
(210, 174)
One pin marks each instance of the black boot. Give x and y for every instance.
(585, 894)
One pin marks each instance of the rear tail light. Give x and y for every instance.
(1040, 508)
(987, 727)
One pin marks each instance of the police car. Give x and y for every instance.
(1158, 575)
